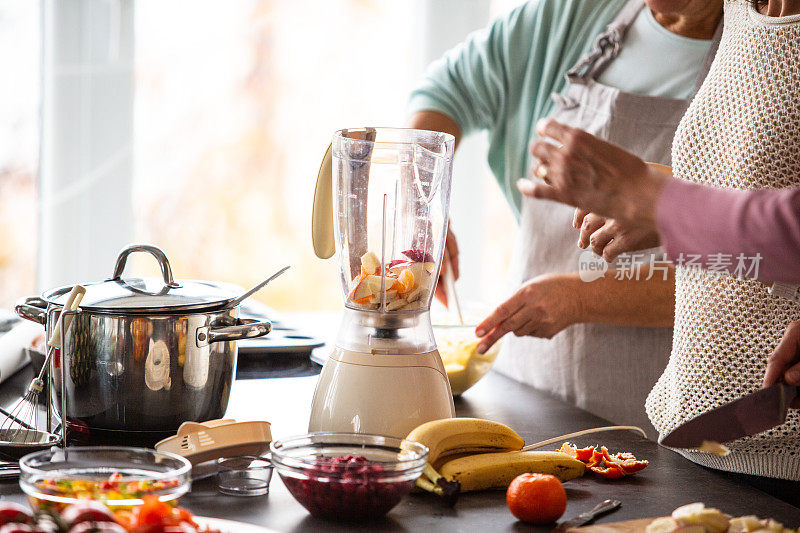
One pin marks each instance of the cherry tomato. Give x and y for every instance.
(125, 518)
(14, 513)
(184, 515)
(152, 512)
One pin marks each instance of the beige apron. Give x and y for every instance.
(606, 370)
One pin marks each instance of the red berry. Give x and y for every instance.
(346, 488)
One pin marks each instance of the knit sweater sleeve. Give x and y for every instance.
(761, 225)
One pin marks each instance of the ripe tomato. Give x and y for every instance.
(125, 518)
(152, 511)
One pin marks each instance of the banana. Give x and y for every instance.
(497, 470)
(457, 437)
(452, 436)
(449, 457)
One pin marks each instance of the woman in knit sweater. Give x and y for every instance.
(742, 131)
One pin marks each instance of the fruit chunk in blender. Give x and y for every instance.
(407, 281)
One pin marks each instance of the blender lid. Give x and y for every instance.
(148, 295)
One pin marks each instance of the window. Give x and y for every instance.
(19, 146)
(200, 125)
(232, 116)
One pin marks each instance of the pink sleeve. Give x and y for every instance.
(760, 227)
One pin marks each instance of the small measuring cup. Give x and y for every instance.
(244, 476)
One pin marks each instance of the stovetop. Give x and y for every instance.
(284, 352)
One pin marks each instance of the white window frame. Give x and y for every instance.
(86, 163)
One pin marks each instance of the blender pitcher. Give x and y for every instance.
(381, 204)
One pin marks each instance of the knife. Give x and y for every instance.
(601, 508)
(751, 414)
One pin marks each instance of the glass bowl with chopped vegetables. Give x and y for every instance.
(118, 477)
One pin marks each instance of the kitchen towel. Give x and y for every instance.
(12, 347)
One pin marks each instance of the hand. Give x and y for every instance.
(590, 173)
(542, 307)
(451, 250)
(609, 237)
(784, 363)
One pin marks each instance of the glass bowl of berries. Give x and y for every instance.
(348, 476)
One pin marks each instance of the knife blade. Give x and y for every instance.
(606, 506)
(749, 415)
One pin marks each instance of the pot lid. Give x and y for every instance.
(149, 295)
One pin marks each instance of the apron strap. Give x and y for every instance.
(712, 52)
(606, 46)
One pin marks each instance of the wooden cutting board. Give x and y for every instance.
(629, 526)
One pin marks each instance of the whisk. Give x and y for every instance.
(22, 422)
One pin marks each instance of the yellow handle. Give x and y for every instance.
(322, 212)
(73, 301)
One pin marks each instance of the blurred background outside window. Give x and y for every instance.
(199, 126)
(20, 36)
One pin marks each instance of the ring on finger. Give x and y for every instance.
(541, 173)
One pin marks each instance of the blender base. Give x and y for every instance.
(380, 394)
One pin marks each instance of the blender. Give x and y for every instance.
(381, 204)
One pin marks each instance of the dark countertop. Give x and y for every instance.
(669, 481)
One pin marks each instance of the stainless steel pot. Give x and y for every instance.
(146, 354)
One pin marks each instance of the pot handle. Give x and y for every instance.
(33, 309)
(245, 328)
(155, 251)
